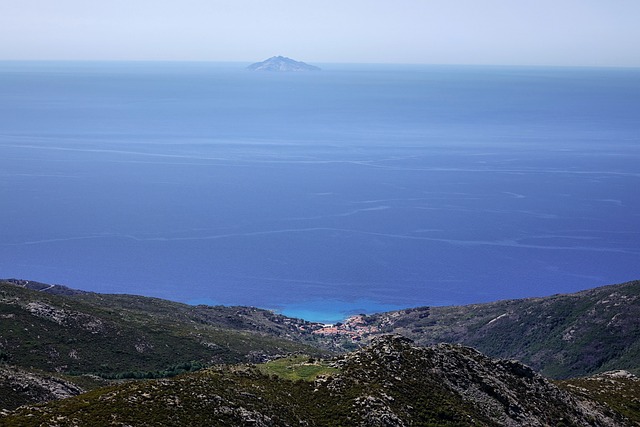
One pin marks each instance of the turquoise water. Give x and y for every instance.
(356, 189)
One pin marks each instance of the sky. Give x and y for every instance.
(500, 32)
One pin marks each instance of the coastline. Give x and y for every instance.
(327, 312)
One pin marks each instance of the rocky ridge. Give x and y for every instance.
(59, 330)
(619, 390)
(391, 382)
(560, 336)
(21, 387)
(504, 391)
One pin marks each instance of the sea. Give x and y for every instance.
(356, 189)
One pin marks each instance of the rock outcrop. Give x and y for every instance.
(560, 336)
(504, 392)
(389, 383)
(20, 387)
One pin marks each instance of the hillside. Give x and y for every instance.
(57, 329)
(21, 387)
(57, 342)
(389, 383)
(560, 336)
(619, 390)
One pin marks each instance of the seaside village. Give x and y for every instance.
(354, 327)
(359, 327)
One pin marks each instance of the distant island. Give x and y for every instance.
(281, 63)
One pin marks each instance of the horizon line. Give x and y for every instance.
(211, 61)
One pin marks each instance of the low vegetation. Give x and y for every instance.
(298, 367)
(109, 335)
(561, 336)
(78, 337)
(619, 390)
(389, 383)
(133, 360)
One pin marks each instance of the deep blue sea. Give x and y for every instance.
(355, 189)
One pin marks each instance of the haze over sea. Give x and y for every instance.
(355, 189)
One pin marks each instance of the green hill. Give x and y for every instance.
(57, 342)
(110, 335)
(389, 383)
(560, 336)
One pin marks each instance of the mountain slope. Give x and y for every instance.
(20, 387)
(619, 390)
(389, 383)
(560, 336)
(78, 332)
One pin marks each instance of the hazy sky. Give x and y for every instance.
(538, 32)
